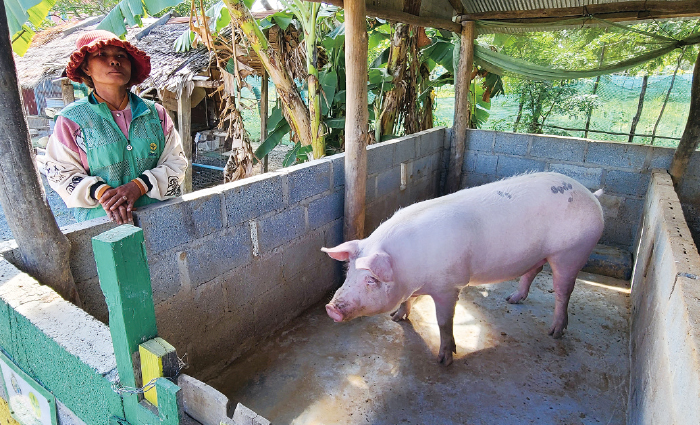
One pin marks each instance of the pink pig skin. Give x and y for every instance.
(486, 234)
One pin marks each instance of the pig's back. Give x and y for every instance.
(493, 232)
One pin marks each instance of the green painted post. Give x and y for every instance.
(120, 255)
(167, 402)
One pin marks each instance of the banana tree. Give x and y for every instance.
(22, 16)
(307, 13)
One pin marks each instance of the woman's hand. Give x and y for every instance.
(118, 202)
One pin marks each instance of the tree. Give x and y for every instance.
(44, 250)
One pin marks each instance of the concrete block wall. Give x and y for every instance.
(622, 170)
(231, 264)
(60, 346)
(665, 329)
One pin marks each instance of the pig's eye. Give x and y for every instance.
(371, 280)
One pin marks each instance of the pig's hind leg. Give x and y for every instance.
(565, 268)
(403, 311)
(524, 284)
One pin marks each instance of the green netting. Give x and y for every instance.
(611, 118)
(577, 48)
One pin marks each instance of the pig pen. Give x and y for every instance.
(237, 270)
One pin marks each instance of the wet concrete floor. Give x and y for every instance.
(507, 370)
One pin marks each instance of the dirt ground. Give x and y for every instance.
(507, 370)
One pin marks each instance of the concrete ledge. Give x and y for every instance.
(665, 334)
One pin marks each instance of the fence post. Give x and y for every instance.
(120, 255)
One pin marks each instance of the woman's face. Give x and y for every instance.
(109, 66)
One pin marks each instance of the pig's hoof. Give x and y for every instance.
(515, 298)
(556, 332)
(445, 359)
(399, 315)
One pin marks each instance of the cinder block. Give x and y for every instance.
(82, 259)
(475, 179)
(610, 261)
(278, 306)
(421, 189)
(388, 182)
(380, 157)
(661, 157)
(93, 299)
(252, 197)
(281, 228)
(202, 402)
(179, 221)
(512, 143)
(485, 163)
(588, 176)
(245, 416)
(338, 165)
(211, 257)
(560, 148)
(480, 140)
(210, 301)
(165, 274)
(405, 148)
(371, 188)
(511, 166)
(297, 257)
(626, 183)
(308, 180)
(243, 285)
(375, 214)
(618, 232)
(324, 210)
(621, 155)
(333, 235)
(431, 141)
(65, 415)
(426, 165)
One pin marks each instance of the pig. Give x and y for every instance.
(486, 234)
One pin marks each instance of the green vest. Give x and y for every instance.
(106, 147)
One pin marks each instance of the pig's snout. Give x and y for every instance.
(334, 313)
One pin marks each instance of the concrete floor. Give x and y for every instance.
(507, 370)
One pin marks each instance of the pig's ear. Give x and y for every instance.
(379, 264)
(344, 251)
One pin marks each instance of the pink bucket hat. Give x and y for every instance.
(92, 41)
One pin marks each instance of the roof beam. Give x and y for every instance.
(407, 18)
(620, 11)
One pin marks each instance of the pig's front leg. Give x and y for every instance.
(403, 311)
(445, 310)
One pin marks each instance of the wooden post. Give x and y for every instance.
(691, 135)
(263, 113)
(640, 106)
(184, 123)
(67, 91)
(120, 255)
(357, 118)
(462, 114)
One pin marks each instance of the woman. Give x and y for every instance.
(112, 151)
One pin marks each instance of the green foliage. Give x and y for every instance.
(23, 18)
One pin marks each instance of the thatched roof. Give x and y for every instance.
(48, 55)
(171, 70)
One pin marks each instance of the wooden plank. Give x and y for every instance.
(158, 359)
(184, 123)
(357, 119)
(392, 15)
(462, 114)
(67, 91)
(691, 135)
(628, 10)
